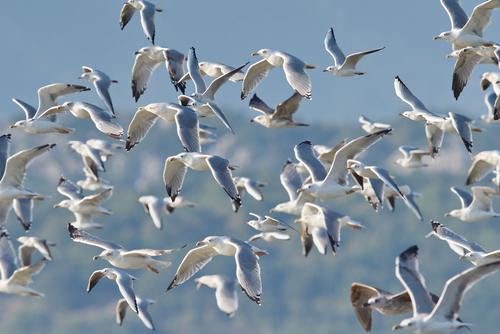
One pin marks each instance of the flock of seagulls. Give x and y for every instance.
(319, 175)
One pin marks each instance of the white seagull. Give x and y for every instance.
(226, 295)
(343, 66)
(176, 168)
(215, 70)
(31, 244)
(475, 208)
(185, 119)
(251, 186)
(156, 207)
(483, 163)
(412, 157)
(101, 82)
(267, 224)
(279, 117)
(120, 257)
(148, 59)
(142, 311)
(147, 11)
(293, 67)
(467, 31)
(269, 236)
(370, 126)
(492, 79)
(245, 256)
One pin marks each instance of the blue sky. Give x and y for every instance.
(48, 41)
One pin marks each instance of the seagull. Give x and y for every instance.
(279, 117)
(102, 120)
(467, 58)
(203, 100)
(225, 292)
(267, 224)
(343, 66)
(101, 82)
(252, 187)
(435, 125)
(370, 126)
(475, 208)
(176, 168)
(493, 79)
(269, 236)
(148, 59)
(83, 207)
(120, 257)
(185, 119)
(467, 31)
(147, 11)
(11, 183)
(292, 182)
(142, 311)
(104, 147)
(91, 158)
(334, 183)
(14, 279)
(412, 157)
(47, 98)
(490, 100)
(466, 249)
(245, 256)
(293, 67)
(366, 298)
(483, 163)
(123, 280)
(441, 318)
(321, 227)
(156, 207)
(215, 70)
(93, 183)
(29, 245)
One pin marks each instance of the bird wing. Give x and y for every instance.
(148, 20)
(175, 67)
(143, 67)
(126, 14)
(333, 49)
(121, 311)
(102, 120)
(407, 96)
(48, 95)
(89, 239)
(217, 83)
(192, 262)
(254, 75)
(290, 179)
(173, 175)
(478, 170)
(29, 110)
(23, 208)
(354, 58)
(247, 270)
(305, 154)
(187, 123)
(463, 69)
(15, 168)
(463, 128)
(360, 294)
(457, 15)
(222, 174)
(457, 243)
(338, 169)
(125, 285)
(287, 108)
(96, 199)
(253, 189)
(69, 189)
(464, 196)
(220, 115)
(480, 17)
(409, 275)
(297, 76)
(23, 275)
(481, 197)
(8, 259)
(226, 297)
(258, 105)
(434, 137)
(141, 123)
(194, 72)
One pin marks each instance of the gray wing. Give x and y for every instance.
(248, 270)
(144, 314)
(333, 49)
(192, 262)
(463, 69)
(457, 15)
(478, 170)
(220, 115)
(28, 109)
(297, 77)
(23, 208)
(194, 72)
(121, 311)
(125, 285)
(434, 137)
(173, 176)
(186, 120)
(102, 89)
(463, 128)
(450, 300)
(412, 205)
(287, 108)
(226, 297)
(254, 75)
(252, 187)
(103, 120)
(258, 105)
(126, 14)
(25, 253)
(48, 95)
(464, 196)
(23, 275)
(175, 67)
(290, 180)
(8, 259)
(305, 154)
(338, 169)
(490, 100)
(67, 188)
(457, 243)
(480, 17)
(354, 58)
(222, 174)
(148, 20)
(4, 151)
(86, 238)
(144, 66)
(139, 127)
(215, 85)
(406, 150)
(408, 274)
(407, 96)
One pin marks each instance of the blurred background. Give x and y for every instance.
(46, 42)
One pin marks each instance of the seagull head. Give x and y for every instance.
(405, 324)
(202, 64)
(19, 124)
(262, 52)
(87, 73)
(444, 35)
(407, 114)
(105, 254)
(354, 165)
(65, 204)
(208, 241)
(375, 301)
(261, 119)
(331, 69)
(453, 213)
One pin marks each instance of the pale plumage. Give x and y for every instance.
(279, 117)
(101, 82)
(475, 208)
(225, 291)
(147, 11)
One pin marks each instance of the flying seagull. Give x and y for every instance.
(293, 67)
(215, 70)
(370, 126)
(158, 207)
(142, 311)
(225, 291)
(279, 117)
(412, 157)
(101, 82)
(343, 66)
(251, 186)
(147, 11)
(475, 208)
(483, 163)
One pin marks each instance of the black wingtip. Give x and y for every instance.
(236, 204)
(242, 96)
(256, 298)
(435, 225)
(172, 284)
(412, 251)
(72, 231)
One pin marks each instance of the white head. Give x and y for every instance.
(264, 53)
(210, 241)
(447, 36)
(410, 324)
(355, 165)
(331, 69)
(261, 119)
(310, 188)
(20, 124)
(409, 114)
(65, 204)
(472, 256)
(453, 213)
(105, 254)
(87, 73)
(376, 301)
